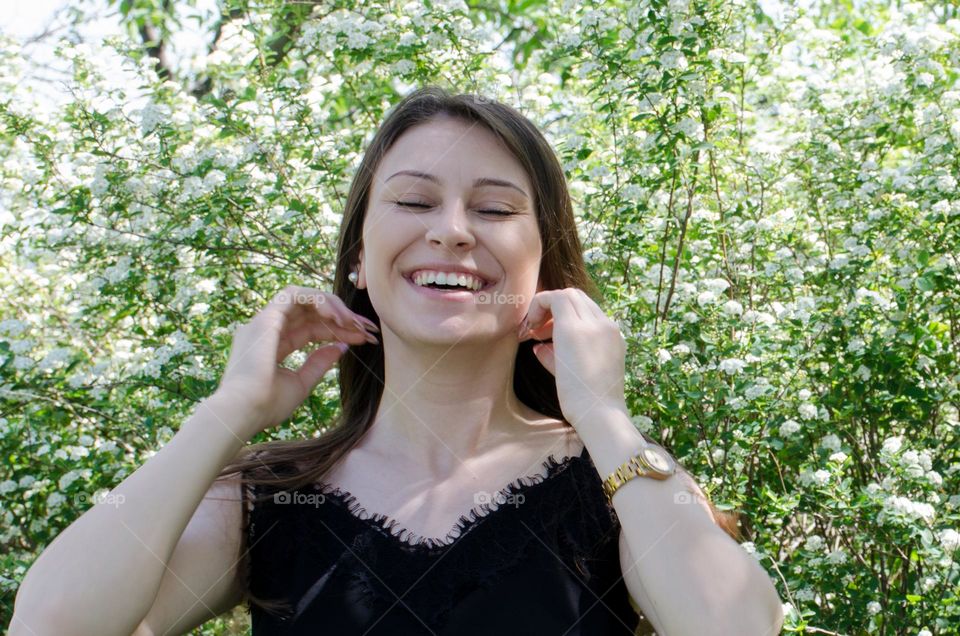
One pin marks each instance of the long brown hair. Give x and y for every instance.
(361, 369)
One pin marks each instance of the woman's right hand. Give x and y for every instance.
(255, 383)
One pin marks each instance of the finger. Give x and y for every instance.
(555, 303)
(298, 337)
(333, 306)
(349, 316)
(538, 312)
(318, 363)
(543, 331)
(303, 305)
(586, 306)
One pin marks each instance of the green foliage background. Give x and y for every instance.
(769, 204)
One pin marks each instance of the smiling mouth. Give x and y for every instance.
(449, 288)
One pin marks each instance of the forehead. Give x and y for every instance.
(453, 149)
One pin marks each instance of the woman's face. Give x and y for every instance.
(448, 197)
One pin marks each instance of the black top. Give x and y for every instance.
(542, 558)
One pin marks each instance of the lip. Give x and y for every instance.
(456, 296)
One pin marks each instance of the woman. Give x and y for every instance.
(462, 489)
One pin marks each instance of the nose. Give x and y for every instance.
(451, 228)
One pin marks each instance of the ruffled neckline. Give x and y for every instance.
(410, 541)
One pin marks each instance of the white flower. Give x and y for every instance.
(821, 477)
(643, 423)
(830, 442)
(206, 285)
(689, 127)
(808, 411)
(892, 445)
(152, 115)
(837, 557)
(873, 608)
(732, 308)
(12, 327)
(911, 509)
(7, 487)
(813, 543)
(732, 366)
(68, 479)
(403, 67)
(716, 285)
(838, 457)
(214, 178)
(663, 356)
(856, 345)
(673, 60)
(788, 428)
(762, 317)
(706, 298)
(949, 539)
(756, 390)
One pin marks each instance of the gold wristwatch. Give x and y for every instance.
(652, 461)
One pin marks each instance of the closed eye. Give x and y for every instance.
(410, 204)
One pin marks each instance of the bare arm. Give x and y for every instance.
(101, 575)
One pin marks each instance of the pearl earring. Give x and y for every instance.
(353, 277)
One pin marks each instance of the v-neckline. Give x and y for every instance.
(410, 540)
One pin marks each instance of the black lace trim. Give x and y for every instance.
(412, 541)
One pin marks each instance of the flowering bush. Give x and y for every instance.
(768, 199)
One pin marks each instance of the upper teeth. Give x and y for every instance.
(425, 277)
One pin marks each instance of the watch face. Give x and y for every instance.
(656, 460)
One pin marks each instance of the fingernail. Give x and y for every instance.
(370, 324)
(342, 346)
(372, 339)
(523, 328)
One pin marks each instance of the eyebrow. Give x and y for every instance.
(482, 181)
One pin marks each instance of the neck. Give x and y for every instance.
(443, 404)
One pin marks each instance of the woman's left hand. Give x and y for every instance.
(587, 353)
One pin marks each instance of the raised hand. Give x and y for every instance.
(296, 316)
(587, 354)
